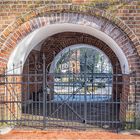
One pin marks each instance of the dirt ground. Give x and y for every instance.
(66, 135)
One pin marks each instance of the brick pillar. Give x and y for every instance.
(127, 112)
(124, 99)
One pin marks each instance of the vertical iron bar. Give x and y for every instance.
(14, 104)
(36, 91)
(20, 94)
(93, 75)
(112, 99)
(69, 86)
(73, 80)
(6, 95)
(116, 99)
(85, 90)
(107, 105)
(44, 91)
(101, 104)
(27, 94)
(25, 99)
(39, 102)
(135, 100)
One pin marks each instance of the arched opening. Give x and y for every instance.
(38, 36)
(76, 61)
(87, 30)
(67, 69)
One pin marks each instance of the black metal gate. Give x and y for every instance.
(80, 100)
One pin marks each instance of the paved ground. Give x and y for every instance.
(66, 135)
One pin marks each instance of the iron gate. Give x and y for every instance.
(75, 100)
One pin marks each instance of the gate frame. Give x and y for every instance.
(15, 104)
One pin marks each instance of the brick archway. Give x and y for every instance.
(73, 14)
(58, 42)
(31, 21)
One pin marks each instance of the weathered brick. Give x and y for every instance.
(20, 12)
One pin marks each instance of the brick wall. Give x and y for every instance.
(58, 42)
(10, 10)
(130, 14)
(8, 17)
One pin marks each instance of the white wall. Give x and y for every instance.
(23, 49)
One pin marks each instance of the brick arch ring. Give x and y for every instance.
(59, 43)
(30, 29)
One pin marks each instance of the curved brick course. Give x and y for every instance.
(58, 42)
(33, 20)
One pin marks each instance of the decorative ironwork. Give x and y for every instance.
(86, 97)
